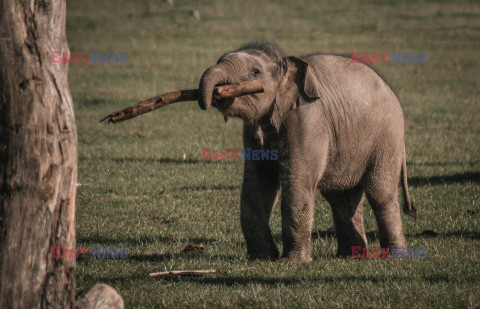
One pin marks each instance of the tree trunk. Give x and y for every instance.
(38, 157)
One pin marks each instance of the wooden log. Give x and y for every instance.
(220, 93)
(184, 273)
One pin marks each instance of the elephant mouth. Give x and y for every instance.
(222, 105)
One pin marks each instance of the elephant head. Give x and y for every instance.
(287, 83)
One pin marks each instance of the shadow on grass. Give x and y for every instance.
(373, 235)
(157, 257)
(205, 188)
(153, 160)
(162, 257)
(144, 257)
(109, 242)
(446, 179)
(431, 234)
(273, 281)
(443, 163)
(237, 280)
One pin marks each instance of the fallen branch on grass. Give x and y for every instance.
(184, 273)
(220, 93)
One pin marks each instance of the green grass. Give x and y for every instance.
(137, 191)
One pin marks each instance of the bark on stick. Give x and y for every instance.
(220, 93)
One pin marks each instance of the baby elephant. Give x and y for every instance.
(337, 126)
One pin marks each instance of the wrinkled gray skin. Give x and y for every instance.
(338, 127)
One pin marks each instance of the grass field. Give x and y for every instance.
(144, 187)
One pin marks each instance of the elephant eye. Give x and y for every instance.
(256, 72)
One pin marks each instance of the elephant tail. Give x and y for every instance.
(408, 207)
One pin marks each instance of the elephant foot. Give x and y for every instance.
(401, 243)
(270, 254)
(351, 247)
(297, 259)
(350, 251)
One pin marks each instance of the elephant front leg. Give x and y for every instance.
(297, 219)
(304, 159)
(259, 193)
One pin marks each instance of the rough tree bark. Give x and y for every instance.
(38, 157)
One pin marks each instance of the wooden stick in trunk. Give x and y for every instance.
(219, 93)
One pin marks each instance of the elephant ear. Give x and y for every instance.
(308, 79)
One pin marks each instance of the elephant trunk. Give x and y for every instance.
(212, 77)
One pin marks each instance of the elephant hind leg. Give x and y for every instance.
(347, 209)
(382, 194)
